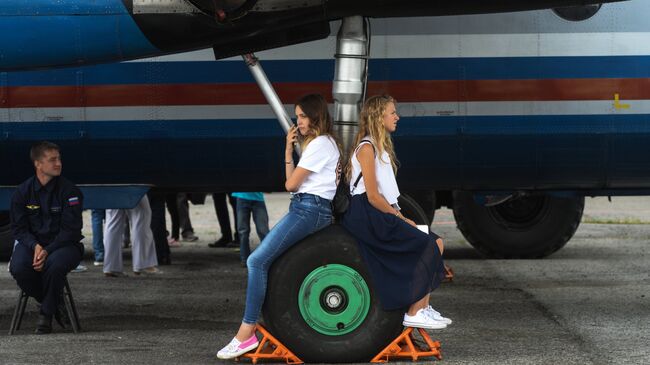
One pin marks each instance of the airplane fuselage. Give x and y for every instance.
(501, 102)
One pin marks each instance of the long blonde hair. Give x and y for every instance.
(371, 123)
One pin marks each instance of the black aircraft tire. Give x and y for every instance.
(6, 238)
(324, 250)
(412, 210)
(526, 228)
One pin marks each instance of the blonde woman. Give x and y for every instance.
(407, 262)
(313, 185)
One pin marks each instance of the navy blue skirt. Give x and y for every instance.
(404, 262)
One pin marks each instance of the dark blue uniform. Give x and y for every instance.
(48, 215)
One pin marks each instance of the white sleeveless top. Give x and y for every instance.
(386, 182)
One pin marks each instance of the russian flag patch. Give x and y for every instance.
(73, 201)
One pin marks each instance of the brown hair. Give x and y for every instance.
(38, 150)
(315, 108)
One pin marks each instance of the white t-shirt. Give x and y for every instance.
(321, 158)
(386, 183)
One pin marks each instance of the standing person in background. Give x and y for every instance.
(143, 249)
(250, 204)
(405, 262)
(313, 185)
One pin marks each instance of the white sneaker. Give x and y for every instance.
(80, 268)
(235, 348)
(98, 263)
(436, 315)
(422, 320)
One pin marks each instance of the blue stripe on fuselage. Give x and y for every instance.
(67, 32)
(477, 152)
(60, 7)
(511, 68)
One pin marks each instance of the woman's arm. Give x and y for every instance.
(294, 175)
(366, 157)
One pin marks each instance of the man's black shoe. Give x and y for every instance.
(221, 242)
(44, 324)
(189, 236)
(233, 244)
(165, 260)
(61, 315)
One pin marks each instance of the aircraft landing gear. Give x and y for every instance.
(320, 301)
(525, 227)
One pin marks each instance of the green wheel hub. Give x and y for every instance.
(334, 299)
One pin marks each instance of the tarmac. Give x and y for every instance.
(589, 303)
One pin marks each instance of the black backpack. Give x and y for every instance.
(341, 200)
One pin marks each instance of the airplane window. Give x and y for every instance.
(577, 13)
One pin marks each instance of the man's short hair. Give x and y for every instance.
(38, 150)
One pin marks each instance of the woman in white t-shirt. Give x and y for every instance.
(405, 262)
(313, 185)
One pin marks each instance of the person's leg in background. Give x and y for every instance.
(158, 225)
(187, 231)
(113, 237)
(144, 249)
(243, 225)
(261, 219)
(97, 218)
(233, 205)
(221, 209)
(171, 201)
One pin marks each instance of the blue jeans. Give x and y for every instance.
(97, 217)
(245, 208)
(307, 214)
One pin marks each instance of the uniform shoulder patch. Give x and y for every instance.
(72, 201)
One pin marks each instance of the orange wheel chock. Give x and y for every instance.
(449, 274)
(271, 349)
(405, 345)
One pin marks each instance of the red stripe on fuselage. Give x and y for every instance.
(249, 94)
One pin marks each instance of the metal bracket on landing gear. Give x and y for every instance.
(405, 345)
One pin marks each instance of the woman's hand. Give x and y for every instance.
(399, 215)
(292, 137)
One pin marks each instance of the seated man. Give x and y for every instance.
(46, 224)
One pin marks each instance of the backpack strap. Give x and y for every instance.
(358, 179)
(361, 173)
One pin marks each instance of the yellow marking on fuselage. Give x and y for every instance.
(617, 103)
